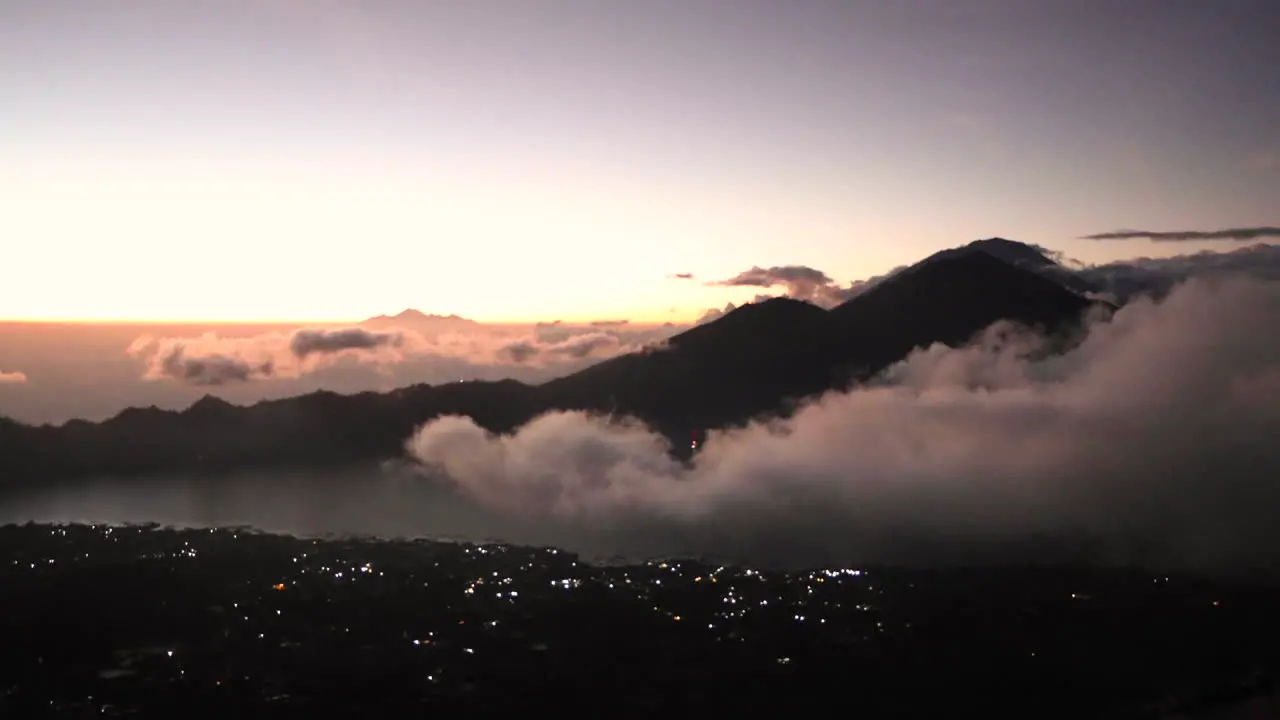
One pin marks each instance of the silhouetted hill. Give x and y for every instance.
(716, 374)
(947, 299)
(757, 359)
(1020, 255)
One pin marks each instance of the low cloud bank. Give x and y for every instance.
(1157, 440)
(212, 360)
(1124, 280)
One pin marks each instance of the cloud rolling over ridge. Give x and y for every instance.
(1154, 440)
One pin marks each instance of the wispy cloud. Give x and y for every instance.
(681, 276)
(1237, 234)
(12, 378)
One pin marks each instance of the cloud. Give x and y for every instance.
(310, 342)
(803, 283)
(12, 378)
(681, 276)
(577, 345)
(1237, 234)
(212, 360)
(211, 370)
(714, 314)
(1152, 441)
(1122, 281)
(520, 351)
(538, 350)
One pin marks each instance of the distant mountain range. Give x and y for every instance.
(417, 320)
(756, 360)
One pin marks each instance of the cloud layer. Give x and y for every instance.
(1238, 234)
(211, 360)
(1124, 280)
(1155, 440)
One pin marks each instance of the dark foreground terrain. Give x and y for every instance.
(101, 621)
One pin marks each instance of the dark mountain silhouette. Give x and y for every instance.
(1032, 258)
(758, 359)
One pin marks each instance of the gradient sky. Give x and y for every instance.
(519, 160)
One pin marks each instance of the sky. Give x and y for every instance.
(307, 160)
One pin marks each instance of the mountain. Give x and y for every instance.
(758, 357)
(755, 360)
(949, 299)
(417, 320)
(1032, 258)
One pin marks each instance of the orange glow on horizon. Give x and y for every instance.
(649, 318)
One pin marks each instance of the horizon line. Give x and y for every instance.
(329, 322)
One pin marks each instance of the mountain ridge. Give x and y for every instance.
(757, 360)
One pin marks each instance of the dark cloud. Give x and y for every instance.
(1152, 441)
(12, 378)
(210, 370)
(681, 276)
(532, 353)
(1237, 234)
(1122, 281)
(309, 342)
(520, 351)
(802, 283)
(210, 359)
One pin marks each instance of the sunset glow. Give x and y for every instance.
(330, 161)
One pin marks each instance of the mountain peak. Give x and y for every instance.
(208, 403)
(412, 316)
(1026, 256)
